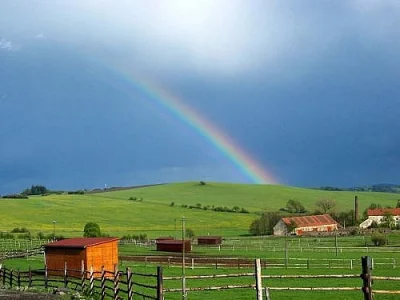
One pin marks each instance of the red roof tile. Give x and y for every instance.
(306, 221)
(80, 242)
(382, 211)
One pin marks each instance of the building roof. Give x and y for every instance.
(208, 237)
(172, 242)
(307, 221)
(382, 211)
(81, 243)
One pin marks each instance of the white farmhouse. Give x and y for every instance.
(377, 215)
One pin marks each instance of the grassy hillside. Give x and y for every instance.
(251, 197)
(117, 215)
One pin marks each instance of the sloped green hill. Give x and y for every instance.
(152, 213)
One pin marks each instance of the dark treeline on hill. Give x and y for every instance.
(35, 190)
(383, 188)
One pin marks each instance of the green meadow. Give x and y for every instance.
(152, 212)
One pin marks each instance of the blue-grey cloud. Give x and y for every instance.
(309, 89)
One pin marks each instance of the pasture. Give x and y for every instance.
(152, 213)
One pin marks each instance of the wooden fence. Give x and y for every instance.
(261, 292)
(21, 253)
(239, 263)
(106, 284)
(127, 284)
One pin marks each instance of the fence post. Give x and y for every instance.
(394, 263)
(91, 281)
(4, 276)
(366, 263)
(30, 277)
(103, 283)
(11, 278)
(160, 286)
(267, 296)
(258, 279)
(129, 281)
(18, 278)
(116, 282)
(83, 276)
(351, 264)
(46, 278)
(65, 274)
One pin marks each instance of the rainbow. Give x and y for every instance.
(187, 115)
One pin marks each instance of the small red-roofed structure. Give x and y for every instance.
(174, 245)
(305, 224)
(209, 240)
(93, 252)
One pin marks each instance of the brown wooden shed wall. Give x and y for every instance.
(95, 256)
(209, 240)
(173, 247)
(57, 257)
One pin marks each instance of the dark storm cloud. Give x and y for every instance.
(310, 90)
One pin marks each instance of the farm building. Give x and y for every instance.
(378, 215)
(305, 224)
(209, 240)
(94, 252)
(174, 245)
(164, 238)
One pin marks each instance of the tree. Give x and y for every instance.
(325, 205)
(345, 218)
(388, 220)
(294, 206)
(91, 229)
(398, 203)
(36, 190)
(291, 227)
(371, 206)
(189, 233)
(265, 224)
(378, 239)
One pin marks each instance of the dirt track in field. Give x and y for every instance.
(14, 295)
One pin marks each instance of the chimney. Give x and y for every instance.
(356, 208)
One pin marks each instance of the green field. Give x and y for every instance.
(154, 215)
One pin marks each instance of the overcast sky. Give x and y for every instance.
(309, 89)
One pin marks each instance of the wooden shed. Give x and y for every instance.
(174, 245)
(209, 240)
(94, 252)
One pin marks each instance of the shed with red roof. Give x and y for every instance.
(304, 224)
(93, 252)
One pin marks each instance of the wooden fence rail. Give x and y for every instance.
(235, 262)
(126, 284)
(106, 284)
(365, 287)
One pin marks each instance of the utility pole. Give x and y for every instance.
(54, 230)
(184, 296)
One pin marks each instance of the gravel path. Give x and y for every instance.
(14, 295)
